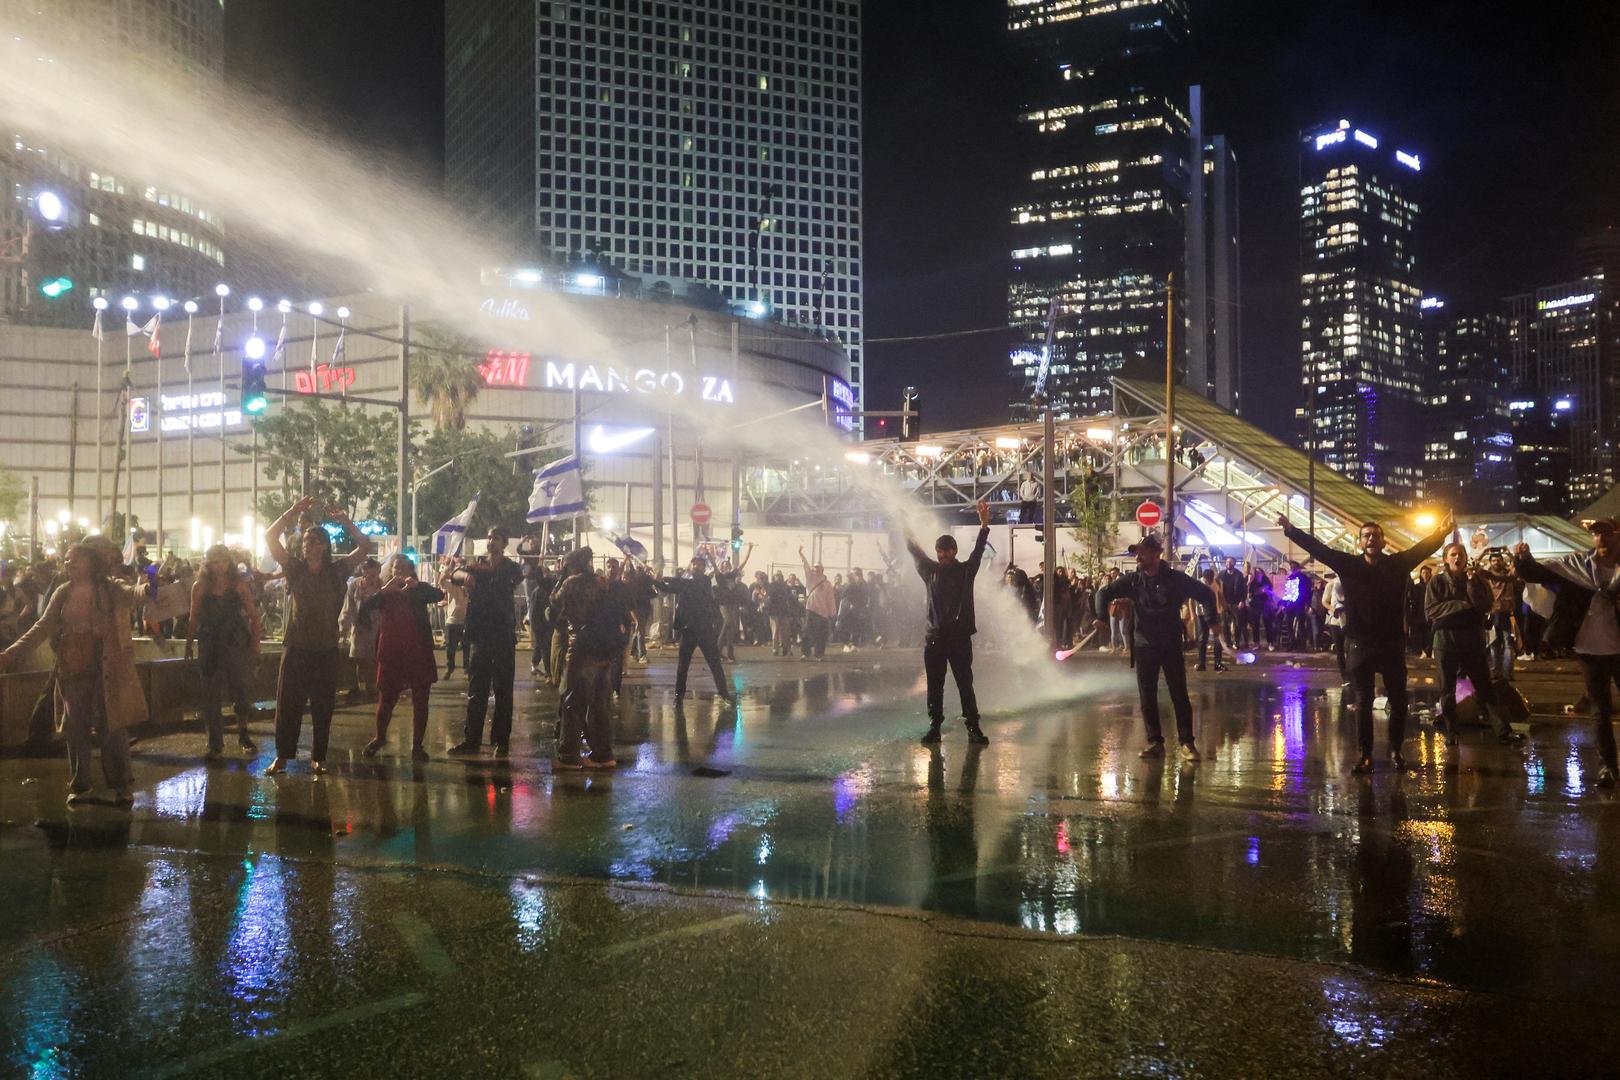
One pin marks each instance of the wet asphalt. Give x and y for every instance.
(796, 887)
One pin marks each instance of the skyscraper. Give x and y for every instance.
(1361, 338)
(1564, 364)
(71, 229)
(709, 145)
(1098, 215)
(1468, 460)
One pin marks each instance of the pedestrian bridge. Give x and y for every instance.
(1231, 479)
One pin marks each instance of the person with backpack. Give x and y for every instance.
(951, 625)
(597, 613)
(1456, 604)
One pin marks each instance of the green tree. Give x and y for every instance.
(1096, 522)
(13, 496)
(350, 455)
(481, 467)
(445, 375)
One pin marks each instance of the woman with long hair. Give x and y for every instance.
(316, 586)
(87, 622)
(405, 660)
(362, 629)
(225, 624)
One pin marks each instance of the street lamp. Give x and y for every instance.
(343, 313)
(130, 303)
(160, 303)
(255, 304)
(316, 308)
(99, 303)
(191, 307)
(284, 306)
(222, 290)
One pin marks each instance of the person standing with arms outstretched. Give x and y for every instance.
(316, 586)
(697, 625)
(492, 583)
(949, 640)
(1375, 596)
(1586, 618)
(1157, 592)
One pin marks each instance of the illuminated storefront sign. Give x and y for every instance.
(1325, 141)
(504, 368)
(841, 403)
(324, 379)
(203, 412)
(504, 308)
(1411, 161)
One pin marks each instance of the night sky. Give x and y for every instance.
(1515, 111)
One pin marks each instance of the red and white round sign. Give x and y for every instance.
(1149, 515)
(700, 513)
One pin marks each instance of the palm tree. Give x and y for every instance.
(445, 375)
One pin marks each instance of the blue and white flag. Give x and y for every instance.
(453, 533)
(558, 491)
(635, 549)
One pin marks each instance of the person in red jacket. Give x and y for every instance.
(405, 659)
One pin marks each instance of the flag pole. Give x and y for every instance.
(191, 428)
(157, 427)
(126, 451)
(219, 361)
(101, 422)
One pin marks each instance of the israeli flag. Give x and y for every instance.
(558, 491)
(631, 547)
(453, 533)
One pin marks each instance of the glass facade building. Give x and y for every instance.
(71, 230)
(1564, 365)
(1468, 459)
(1361, 334)
(1098, 220)
(705, 146)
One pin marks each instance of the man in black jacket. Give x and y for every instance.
(1156, 593)
(1456, 603)
(1234, 589)
(1375, 586)
(949, 640)
(491, 584)
(697, 625)
(1586, 618)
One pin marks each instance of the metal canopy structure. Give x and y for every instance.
(1232, 480)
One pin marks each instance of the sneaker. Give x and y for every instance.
(1511, 737)
(1396, 761)
(501, 750)
(246, 745)
(1189, 752)
(78, 798)
(279, 765)
(931, 736)
(1198, 667)
(317, 768)
(849, 648)
(1221, 667)
(418, 754)
(1606, 776)
(1153, 751)
(976, 735)
(1363, 765)
(463, 749)
(371, 748)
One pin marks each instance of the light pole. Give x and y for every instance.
(415, 485)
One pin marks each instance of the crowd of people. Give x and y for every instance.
(1473, 613)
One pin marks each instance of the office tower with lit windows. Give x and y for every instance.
(1098, 220)
(1564, 366)
(708, 147)
(1361, 335)
(71, 230)
(1468, 459)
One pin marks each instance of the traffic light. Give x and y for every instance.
(910, 426)
(736, 540)
(254, 397)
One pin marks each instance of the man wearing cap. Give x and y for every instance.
(1374, 585)
(949, 638)
(1157, 592)
(1586, 618)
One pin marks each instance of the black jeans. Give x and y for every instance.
(814, 640)
(1150, 661)
(492, 667)
(707, 639)
(1206, 631)
(1337, 633)
(308, 677)
(957, 654)
(540, 650)
(1475, 666)
(1602, 674)
(455, 636)
(1365, 662)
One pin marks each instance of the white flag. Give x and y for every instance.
(451, 535)
(130, 328)
(95, 330)
(558, 491)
